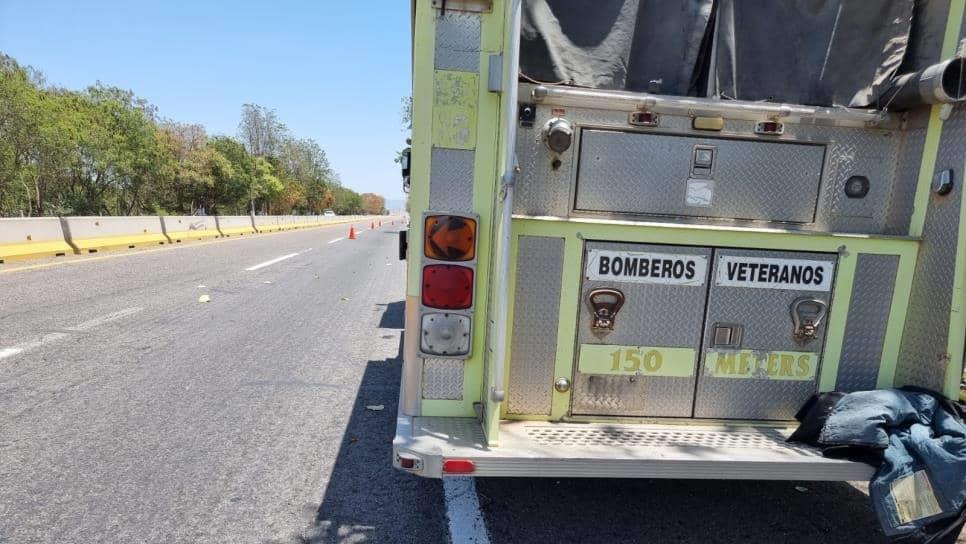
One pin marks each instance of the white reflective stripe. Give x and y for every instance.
(771, 273)
(463, 511)
(646, 267)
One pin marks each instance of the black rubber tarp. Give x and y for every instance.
(615, 44)
(820, 52)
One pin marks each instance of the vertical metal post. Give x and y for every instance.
(496, 390)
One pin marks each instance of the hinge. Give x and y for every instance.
(494, 80)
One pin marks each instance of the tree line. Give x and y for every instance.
(105, 151)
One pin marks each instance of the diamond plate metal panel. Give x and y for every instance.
(868, 317)
(541, 189)
(451, 180)
(764, 313)
(536, 307)
(923, 357)
(628, 172)
(652, 315)
(458, 41)
(443, 379)
(889, 158)
(856, 152)
(908, 161)
(907, 175)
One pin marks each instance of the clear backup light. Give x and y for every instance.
(445, 334)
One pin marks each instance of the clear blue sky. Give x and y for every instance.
(334, 70)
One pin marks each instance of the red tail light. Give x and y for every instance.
(447, 286)
(458, 466)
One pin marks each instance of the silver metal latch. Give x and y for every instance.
(807, 315)
(605, 303)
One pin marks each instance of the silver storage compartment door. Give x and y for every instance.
(646, 365)
(658, 174)
(758, 361)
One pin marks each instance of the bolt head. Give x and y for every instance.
(562, 385)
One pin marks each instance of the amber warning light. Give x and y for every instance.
(450, 238)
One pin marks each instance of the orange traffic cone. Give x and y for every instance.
(352, 233)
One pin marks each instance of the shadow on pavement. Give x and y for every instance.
(367, 500)
(394, 316)
(676, 511)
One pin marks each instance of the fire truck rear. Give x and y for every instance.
(644, 234)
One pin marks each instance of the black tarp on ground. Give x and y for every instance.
(820, 52)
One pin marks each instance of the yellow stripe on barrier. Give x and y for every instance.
(33, 250)
(90, 245)
(188, 235)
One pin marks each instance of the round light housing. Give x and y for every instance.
(559, 135)
(857, 187)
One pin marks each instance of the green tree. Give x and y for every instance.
(261, 131)
(267, 186)
(305, 163)
(104, 150)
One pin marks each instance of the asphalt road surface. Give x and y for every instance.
(132, 412)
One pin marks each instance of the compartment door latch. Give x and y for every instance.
(807, 315)
(605, 304)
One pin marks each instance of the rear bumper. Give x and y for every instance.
(562, 450)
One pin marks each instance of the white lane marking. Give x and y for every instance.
(336, 240)
(35, 343)
(57, 336)
(98, 321)
(273, 261)
(9, 352)
(463, 511)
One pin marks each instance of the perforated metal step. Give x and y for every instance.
(765, 438)
(529, 449)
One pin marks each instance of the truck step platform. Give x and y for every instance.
(602, 450)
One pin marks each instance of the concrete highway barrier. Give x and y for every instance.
(32, 237)
(285, 222)
(93, 234)
(232, 225)
(182, 228)
(266, 223)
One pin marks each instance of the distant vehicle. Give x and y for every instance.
(328, 213)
